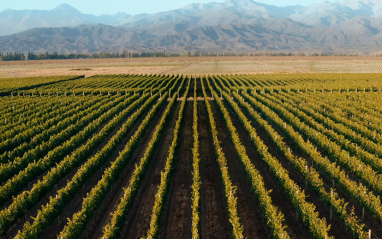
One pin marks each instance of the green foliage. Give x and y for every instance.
(112, 229)
(195, 195)
(165, 174)
(230, 190)
(52, 127)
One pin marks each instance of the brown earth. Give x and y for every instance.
(138, 219)
(214, 219)
(176, 216)
(248, 206)
(95, 226)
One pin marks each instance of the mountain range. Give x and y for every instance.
(349, 26)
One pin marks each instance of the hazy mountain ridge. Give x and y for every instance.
(14, 21)
(234, 25)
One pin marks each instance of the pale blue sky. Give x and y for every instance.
(99, 7)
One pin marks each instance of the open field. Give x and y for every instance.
(173, 156)
(192, 65)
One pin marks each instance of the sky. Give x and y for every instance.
(100, 7)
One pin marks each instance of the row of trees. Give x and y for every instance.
(12, 56)
(19, 56)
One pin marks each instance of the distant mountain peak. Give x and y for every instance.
(249, 7)
(240, 3)
(66, 8)
(63, 6)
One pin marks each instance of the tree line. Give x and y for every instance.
(20, 56)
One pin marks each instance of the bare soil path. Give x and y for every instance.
(138, 220)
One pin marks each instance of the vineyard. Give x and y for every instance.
(175, 156)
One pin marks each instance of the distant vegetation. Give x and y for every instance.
(19, 56)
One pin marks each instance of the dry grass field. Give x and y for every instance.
(192, 65)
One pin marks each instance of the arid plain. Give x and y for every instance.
(193, 66)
